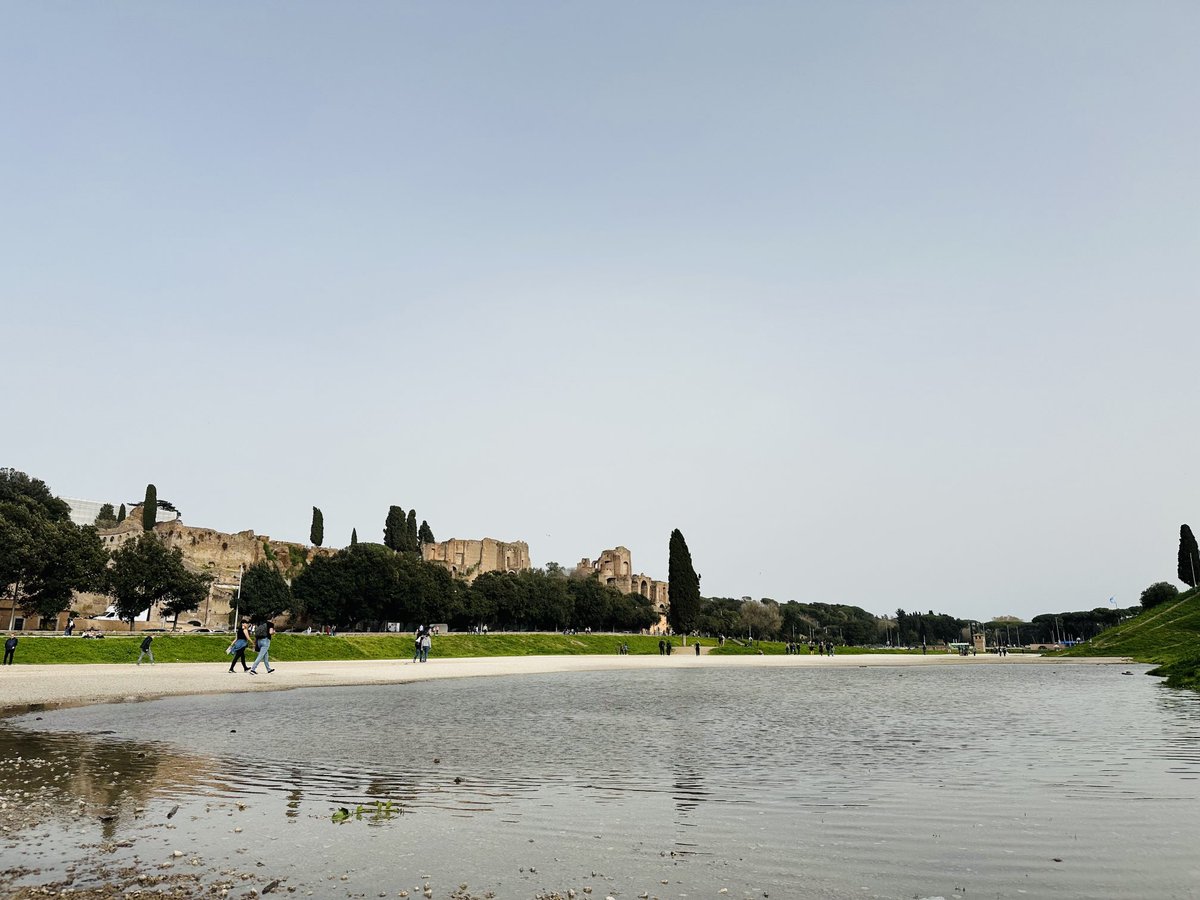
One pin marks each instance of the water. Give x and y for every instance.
(981, 781)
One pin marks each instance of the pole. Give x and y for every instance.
(237, 608)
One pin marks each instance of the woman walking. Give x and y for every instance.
(239, 645)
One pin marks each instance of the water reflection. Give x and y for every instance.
(865, 774)
(66, 777)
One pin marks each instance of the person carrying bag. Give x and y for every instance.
(239, 645)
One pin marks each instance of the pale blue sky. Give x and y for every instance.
(884, 304)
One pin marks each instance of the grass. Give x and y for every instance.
(1168, 634)
(124, 648)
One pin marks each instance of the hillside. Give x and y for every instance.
(1168, 635)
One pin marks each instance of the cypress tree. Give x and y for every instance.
(425, 534)
(1189, 557)
(353, 537)
(316, 533)
(683, 586)
(393, 528)
(412, 543)
(121, 514)
(150, 508)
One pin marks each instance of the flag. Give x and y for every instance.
(1112, 600)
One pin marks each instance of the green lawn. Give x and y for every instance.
(1168, 634)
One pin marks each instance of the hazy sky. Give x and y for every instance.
(890, 304)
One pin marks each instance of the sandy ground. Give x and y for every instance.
(69, 685)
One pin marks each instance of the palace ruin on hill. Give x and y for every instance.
(225, 556)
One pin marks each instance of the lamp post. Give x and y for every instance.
(237, 602)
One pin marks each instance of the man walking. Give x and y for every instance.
(263, 634)
(146, 641)
(10, 647)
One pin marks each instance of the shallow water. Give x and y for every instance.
(981, 781)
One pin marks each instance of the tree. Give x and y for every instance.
(425, 533)
(1158, 593)
(761, 620)
(394, 528)
(74, 560)
(353, 537)
(106, 518)
(144, 574)
(412, 540)
(150, 508)
(44, 557)
(683, 585)
(17, 487)
(316, 533)
(1189, 557)
(121, 514)
(265, 592)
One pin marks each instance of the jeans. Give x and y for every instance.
(264, 645)
(424, 653)
(8, 656)
(148, 653)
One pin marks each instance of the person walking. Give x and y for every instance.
(10, 647)
(426, 644)
(263, 633)
(241, 642)
(146, 651)
(417, 638)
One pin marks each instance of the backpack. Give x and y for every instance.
(262, 631)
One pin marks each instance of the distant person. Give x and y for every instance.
(10, 647)
(670, 646)
(697, 648)
(662, 648)
(263, 634)
(239, 645)
(417, 643)
(146, 651)
(70, 628)
(426, 644)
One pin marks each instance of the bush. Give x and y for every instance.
(1158, 593)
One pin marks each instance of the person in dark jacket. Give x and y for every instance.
(146, 651)
(239, 645)
(263, 634)
(10, 647)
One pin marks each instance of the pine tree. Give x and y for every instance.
(353, 537)
(683, 586)
(412, 543)
(121, 514)
(1189, 557)
(393, 528)
(316, 533)
(106, 518)
(425, 533)
(150, 508)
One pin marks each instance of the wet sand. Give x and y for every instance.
(22, 687)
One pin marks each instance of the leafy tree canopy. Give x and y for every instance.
(265, 593)
(145, 574)
(1158, 593)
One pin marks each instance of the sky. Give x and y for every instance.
(892, 305)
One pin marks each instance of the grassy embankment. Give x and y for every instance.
(123, 648)
(1168, 634)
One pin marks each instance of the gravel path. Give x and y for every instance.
(69, 685)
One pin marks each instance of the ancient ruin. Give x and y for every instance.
(614, 568)
(469, 559)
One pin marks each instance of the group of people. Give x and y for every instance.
(260, 637)
(422, 642)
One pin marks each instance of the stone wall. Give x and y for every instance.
(223, 556)
(469, 559)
